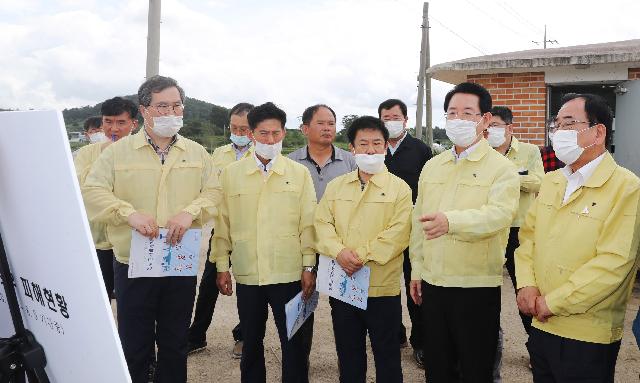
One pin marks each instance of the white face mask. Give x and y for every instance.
(370, 163)
(267, 151)
(240, 141)
(98, 137)
(395, 128)
(167, 126)
(496, 137)
(461, 132)
(565, 145)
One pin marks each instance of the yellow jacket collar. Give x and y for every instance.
(602, 173)
(476, 155)
(278, 167)
(140, 140)
(515, 144)
(380, 180)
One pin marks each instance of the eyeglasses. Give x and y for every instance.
(496, 125)
(463, 115)
(555, 125)
(166, 109)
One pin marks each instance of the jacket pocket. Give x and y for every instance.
(468, 258)
(243, 258)
(471, 193)
(288, 257)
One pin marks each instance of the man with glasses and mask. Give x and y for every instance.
(119, 118)
(151, 180)
(239, 148)
(467, 200)
(576, 262)
(405, 157)
(264, 233)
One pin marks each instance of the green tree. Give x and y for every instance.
(341, 136)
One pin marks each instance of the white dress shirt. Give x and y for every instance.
(465, 153)
(576, 179)
(265, 168)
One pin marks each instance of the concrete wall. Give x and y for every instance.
(525, 94)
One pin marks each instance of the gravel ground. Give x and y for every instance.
(215, 364)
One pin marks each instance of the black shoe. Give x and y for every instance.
(236, 353)
(152, 371)
(195, 347)
(418, 356)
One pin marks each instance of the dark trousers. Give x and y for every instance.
(381, 320)
(154, 310)
(460, 332)
(512, 245)
(415, 313)
(205, 305)
(105, 259)
(253, 302)
(561, 360)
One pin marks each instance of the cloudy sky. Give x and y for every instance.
(350, 54)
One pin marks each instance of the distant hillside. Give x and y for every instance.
(200, 117)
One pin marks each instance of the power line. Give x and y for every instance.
(460, 37)
(496, 20)
(505, 6)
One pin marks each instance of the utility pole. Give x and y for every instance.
(424, 58)
(153, 39)
(427, 86)
(544, 40)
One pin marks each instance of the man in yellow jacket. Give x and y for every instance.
(364, 219)
(239, 148)
(119, 118)
(526, 157)
(265, 230)
(467, 200)
(576, 262)
(153, 179)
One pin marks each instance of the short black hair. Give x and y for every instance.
(156, 84)
(597, 109)
(470, 88)
(366, 122)
(308, 113)
(118, 105)
(92, 122)
(240, 109)
(266, 111)
(504, 113)
(390, 103)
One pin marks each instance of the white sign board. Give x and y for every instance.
(334, 282)
(51, 254)
(154, 257)
(297, 311)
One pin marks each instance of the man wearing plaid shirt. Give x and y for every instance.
(549, 159)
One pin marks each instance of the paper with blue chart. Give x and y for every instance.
(333, 281)
(298, 310)
(154, 257)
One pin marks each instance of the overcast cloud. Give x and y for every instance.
(350, 54)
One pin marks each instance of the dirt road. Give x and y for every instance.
(216, 365)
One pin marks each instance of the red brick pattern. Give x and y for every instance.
(634, 73)
(523, 93)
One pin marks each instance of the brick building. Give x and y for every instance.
(532, 83)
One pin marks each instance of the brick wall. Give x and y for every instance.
(634, 73)
(523, 93)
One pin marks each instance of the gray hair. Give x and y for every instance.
(156, 84)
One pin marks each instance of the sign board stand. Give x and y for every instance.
(20, 354)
